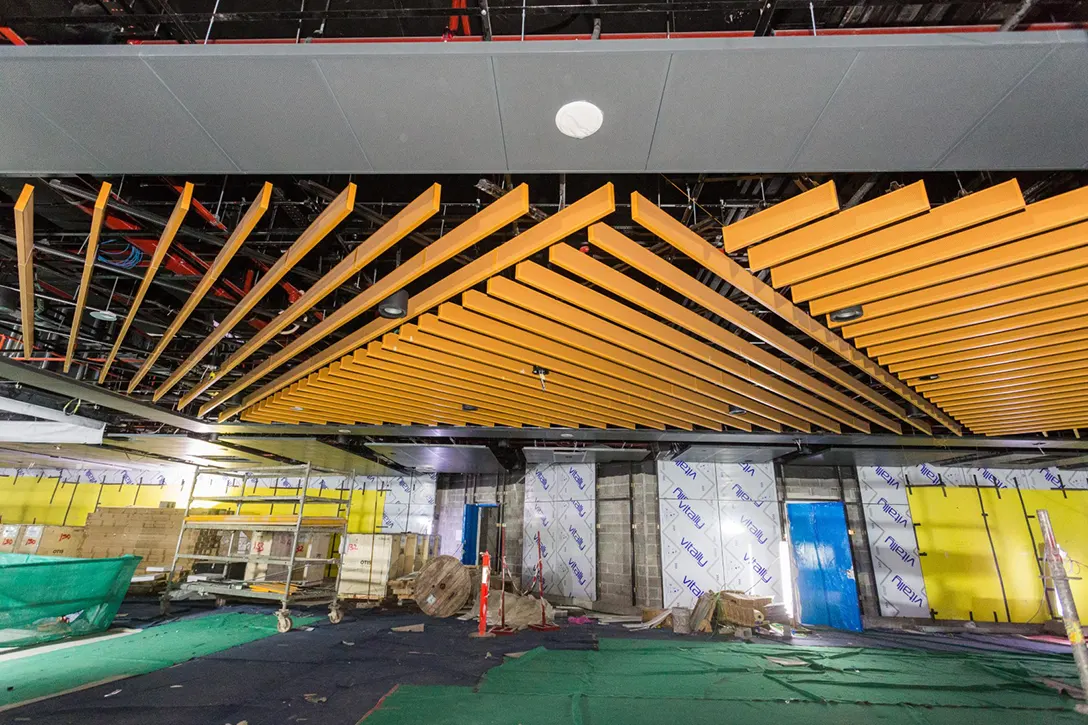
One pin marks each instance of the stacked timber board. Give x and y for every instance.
(150, 533)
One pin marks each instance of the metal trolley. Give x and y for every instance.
(296, 524)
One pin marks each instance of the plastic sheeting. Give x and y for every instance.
(826, 585)
(45, 598)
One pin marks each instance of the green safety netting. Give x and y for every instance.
(644, 681)
(44, 598)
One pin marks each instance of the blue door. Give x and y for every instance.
(826, 585)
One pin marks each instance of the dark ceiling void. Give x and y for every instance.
(200, 21)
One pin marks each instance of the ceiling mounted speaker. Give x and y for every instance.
(395, 305)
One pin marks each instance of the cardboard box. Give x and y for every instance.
(9, 537)
(61, 541)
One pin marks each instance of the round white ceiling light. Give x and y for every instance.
(579, 119)
(104, 315)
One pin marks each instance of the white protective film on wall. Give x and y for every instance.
(897, 568)
(720, 529)
(561, 507)
(409, 502)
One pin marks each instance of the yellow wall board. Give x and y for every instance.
(959, 567)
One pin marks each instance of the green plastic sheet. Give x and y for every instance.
(658, 681)
(45, 598)
(153, 649)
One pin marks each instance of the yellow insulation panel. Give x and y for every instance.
(959, 567)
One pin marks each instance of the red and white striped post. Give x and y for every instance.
(485, 585)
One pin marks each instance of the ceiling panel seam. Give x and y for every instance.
(820, 115)
(657, 118)
(190, 113)
(982, 119)
(498, 112)
(62, 130)
(343, 115)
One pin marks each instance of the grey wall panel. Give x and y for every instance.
(857, 103)
(1041, 124)
(117, 109)
(419, 113)
(279, 105)
(900, 109)
(626, 87)
(745, 111)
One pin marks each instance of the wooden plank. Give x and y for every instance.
(24, 240)
(97, 217)
(165, 240)
(215, 270)
(337, 210)
(401, 225)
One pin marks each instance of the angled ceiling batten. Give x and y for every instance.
(24, 238)
(337, 210)
(606, 277)
(419, 210)
(963, 213)
(861, 219)
(578, 215)
(181, 208)
(487, 221)
(807, 207)
(97, 217)
(215, 270)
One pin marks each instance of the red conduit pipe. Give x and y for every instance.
(11, 36)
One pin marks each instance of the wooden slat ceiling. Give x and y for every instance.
(972, 316)
(511, 342)
(980, 305)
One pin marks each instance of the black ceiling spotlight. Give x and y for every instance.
(736, 410)
(927, 378)
(395, 305)
(468, 407)
(846, 314)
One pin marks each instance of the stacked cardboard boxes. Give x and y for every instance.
(40, 539)
(150, 533)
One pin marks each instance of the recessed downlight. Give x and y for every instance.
(846, 314)
(927, 378)
(468, 407)
(579, 119)
(297, 408)
(566, 435)
(736, 410)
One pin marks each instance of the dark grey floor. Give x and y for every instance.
(265, 682)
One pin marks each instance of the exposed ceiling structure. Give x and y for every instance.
(777, 179)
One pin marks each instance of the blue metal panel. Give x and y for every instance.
(826, 585)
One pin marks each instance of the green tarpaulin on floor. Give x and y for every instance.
(676, 682)
(55, 671)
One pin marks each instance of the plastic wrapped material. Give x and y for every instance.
(45, 598)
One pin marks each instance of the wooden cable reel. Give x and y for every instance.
(443, 587)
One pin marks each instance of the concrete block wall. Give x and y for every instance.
(505, 489)
(624, 492)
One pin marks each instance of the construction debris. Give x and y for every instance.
(521, 610)
(406, 628)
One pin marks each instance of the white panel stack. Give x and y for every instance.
(560, 506)
(892, 543)
(720, 529)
